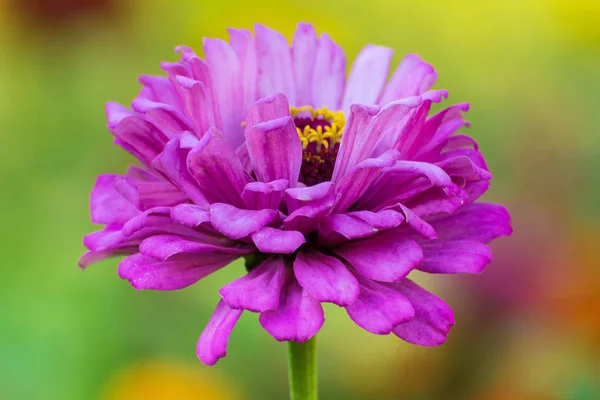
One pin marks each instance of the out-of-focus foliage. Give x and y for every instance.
(527, 329)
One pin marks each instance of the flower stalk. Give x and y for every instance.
(302, 369)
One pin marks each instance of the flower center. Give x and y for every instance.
(320, 132)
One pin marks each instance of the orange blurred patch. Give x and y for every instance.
(161, 380)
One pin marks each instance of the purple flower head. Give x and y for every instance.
(332, 189)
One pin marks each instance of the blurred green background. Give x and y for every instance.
(527, 329)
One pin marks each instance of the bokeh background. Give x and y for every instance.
(527, 329)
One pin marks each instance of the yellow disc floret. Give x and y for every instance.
(326, 128)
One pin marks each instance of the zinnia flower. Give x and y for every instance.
(332, 189)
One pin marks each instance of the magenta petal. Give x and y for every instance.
(160, 90)
(266, 109)
(357, 122)
(304, 48)
(275, 150)
(107, 205)
(326, 278)
(259, 290)
(433, 317)
(412, 78)
(387, 257)
(368, 76)
(417, 223)
(190, 215)
(481, 222)
(260, 195)
(363, 142)
(164, 247)
(329, 75)
(198, 104)
(212, 344)
(217, 170)
(226, 72)
(299, 316)
(172, 164)
(242, 42)
(166, 118)
(145, 272)
(357, 181)
(236, 223)
(271, 240)
(451, 257)
(359, 224)
(296, 198)
(274, 57)
(379, 309)
(148, 194)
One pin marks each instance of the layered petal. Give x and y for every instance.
(145, 272)
(107, 206)
(274, 58)
(413, 77)
(387, 257)
(217, 170)
(277, 241)
(261, 195)
(299, 316)
(367, 76)
(236, 223)
(329, 75)
(433, 317)
(212, 344)
(304, 53)
(379, 309)
(275, 150)
(326, 278)
(259, 290)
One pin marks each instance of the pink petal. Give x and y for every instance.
(217, 170)
(107, 206)
(326, 278)
(259, 290)
(329, 75)
(387, 257)
(243, 44)
(304, 48)
(226, 72)
(212, 344)
(451, 257)
(271, 240)
(148, 273)
(275, 71)
(236, 223)
(379, 309)
(275, 150)
(433, 317)
(260, 195)
(367, 76)
(413, 77)
(299, 316)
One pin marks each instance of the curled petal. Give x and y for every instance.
(236, 223)
(148, 273)
(433, 317)
(212, 344)
(299, 316)
(275, 150)
(451, 257)
(326, 278)
(379, 309)
(387, 257)
(259, 290)
(260, 195)
(271, 240)
(107, 205)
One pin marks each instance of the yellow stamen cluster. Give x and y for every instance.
(321, 135)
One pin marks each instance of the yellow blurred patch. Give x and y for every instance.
(162, 380)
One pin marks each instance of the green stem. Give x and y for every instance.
(302, 365)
